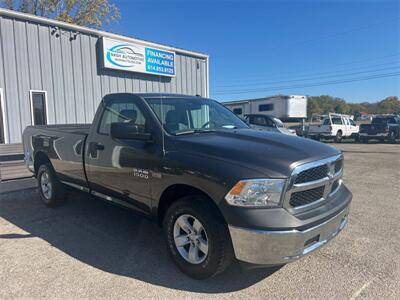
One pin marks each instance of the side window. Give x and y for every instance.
(265, 107)
(237, 111)
(352, 122)
(258, 121)
(122, 112)
(337, 121)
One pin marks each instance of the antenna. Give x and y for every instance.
(162, 116)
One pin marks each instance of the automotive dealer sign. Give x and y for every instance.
(131, 57)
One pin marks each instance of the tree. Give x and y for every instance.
(92, 13)
(325, 104)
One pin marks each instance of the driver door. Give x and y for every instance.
(119, 169)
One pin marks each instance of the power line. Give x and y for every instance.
(290, 74)
(311, 78)
(348, 80)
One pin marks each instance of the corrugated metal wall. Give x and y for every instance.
(32, 58)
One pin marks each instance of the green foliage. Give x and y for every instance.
(92, 13)
(327, 104)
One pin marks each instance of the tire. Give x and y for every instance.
(392, 137)
(51, 190)
(214, 233)
(339, 136)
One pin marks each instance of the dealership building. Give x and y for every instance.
(53, 72)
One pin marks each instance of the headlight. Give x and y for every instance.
(256, 193)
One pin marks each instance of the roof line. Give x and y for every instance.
(99, 33)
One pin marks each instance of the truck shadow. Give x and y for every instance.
(114, 240)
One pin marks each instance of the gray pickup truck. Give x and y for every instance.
(220, 190)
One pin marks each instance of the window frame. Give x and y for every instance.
(46, 110)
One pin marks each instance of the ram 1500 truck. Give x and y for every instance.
(220, 190)
(382, 128)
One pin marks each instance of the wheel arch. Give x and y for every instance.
(40, 158)
(177, 191)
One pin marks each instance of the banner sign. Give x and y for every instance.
(137, 58)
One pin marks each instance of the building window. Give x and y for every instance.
(265, 107)
(38, 107)
(237, 111)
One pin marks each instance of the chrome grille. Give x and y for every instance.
(312, 174)
(306, 197)
(313, 183)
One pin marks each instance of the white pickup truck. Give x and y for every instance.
(335, 126)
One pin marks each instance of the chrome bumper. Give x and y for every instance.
(280, 247)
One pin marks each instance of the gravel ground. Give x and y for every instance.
(90, 249)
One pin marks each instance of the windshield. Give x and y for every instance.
(278, 122)
(188, 115)
(379, 120)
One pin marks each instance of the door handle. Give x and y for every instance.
(98, 146)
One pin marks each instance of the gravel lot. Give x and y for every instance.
(88, 248)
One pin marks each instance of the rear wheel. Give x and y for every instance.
(51, 190)
(339, 137)
(197, 237)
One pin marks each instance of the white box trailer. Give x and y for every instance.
(282, 107)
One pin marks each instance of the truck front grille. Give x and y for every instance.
(312, 174)
(313, 182)
(306, 197)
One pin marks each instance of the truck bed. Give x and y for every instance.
(63, 144)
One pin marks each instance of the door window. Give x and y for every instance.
(38, 108)
(337, 121)
(123, 111)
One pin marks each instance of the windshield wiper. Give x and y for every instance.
(192, 131)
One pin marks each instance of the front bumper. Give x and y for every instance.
(266, 247)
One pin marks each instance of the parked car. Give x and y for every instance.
(268, 123)
(386, 127)
(220, 189)
(334, 126)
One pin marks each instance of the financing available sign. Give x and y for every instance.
(131, 57)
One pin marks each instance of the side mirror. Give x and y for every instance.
(128, 132)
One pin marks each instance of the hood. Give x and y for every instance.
(273, 154)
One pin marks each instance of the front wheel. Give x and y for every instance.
(197, 237)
